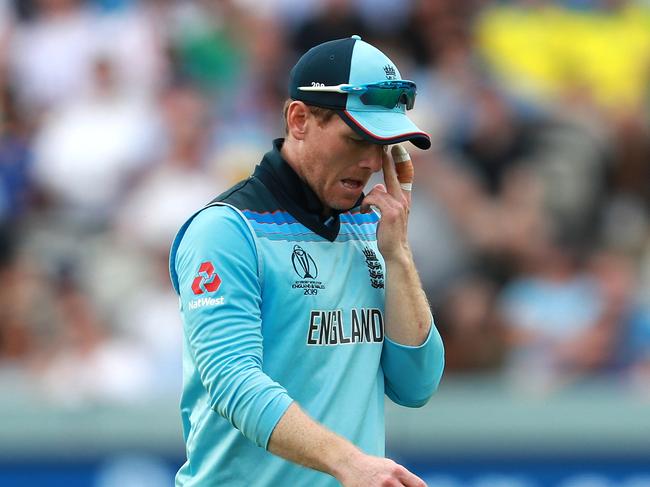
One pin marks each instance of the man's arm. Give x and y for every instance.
(302, 440)
(413, 355)
(219, 285)
(408, 318)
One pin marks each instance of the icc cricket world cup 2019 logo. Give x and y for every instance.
(303, 263)
(306, 269)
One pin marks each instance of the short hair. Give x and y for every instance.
(323, 115)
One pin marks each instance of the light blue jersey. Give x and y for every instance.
(280, 306)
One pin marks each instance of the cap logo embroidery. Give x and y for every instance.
(390, 72)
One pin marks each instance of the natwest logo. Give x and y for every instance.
(206, 280)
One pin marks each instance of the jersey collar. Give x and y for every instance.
(296, 195)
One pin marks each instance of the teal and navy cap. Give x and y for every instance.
(353, 61)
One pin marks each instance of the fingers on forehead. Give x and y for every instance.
(387, 162)
(390, 176)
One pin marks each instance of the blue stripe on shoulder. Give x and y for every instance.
(296, 237)
(358, 218)
(365, 237)
(276, 217)
(281, 225)
(313, 237)
(285, 228)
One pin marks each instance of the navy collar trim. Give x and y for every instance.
(296, 195)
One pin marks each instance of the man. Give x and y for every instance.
(302, 307)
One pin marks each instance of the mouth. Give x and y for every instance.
(352, 184)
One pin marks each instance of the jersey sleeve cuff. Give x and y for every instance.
(412, 373)
(271, 416)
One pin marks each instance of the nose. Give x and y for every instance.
(372, 157)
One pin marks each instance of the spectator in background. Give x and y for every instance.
(84, 361)
(129, 32)
(146, 223)
(172, 188)
(472, 327)
(497, 231)
(18, 337)
(491, 138)
(250, 118)
(54, 47)
(50, 53)
(15, 159)
(434, 26)
(561, 324)
(17, 342)
(335, 19)
(83, 169)
(625, 222)
(590, 67)
(625, 317)
(207, 39)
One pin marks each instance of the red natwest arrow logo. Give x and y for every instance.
(206, 280)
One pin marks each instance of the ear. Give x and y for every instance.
(298, 115)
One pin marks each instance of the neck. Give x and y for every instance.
(290, 152)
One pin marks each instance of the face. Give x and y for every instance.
(337, 163)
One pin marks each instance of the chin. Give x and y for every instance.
(343, 205)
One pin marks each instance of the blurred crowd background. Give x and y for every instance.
(531, 220)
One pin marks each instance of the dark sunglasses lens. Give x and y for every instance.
(389, 97)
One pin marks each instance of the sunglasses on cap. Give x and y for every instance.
(387, 94)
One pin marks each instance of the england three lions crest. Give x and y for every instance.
(375, 270)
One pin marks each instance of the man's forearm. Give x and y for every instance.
(408, 317)
(300, 439)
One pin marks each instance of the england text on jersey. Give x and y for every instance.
(328, 327)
